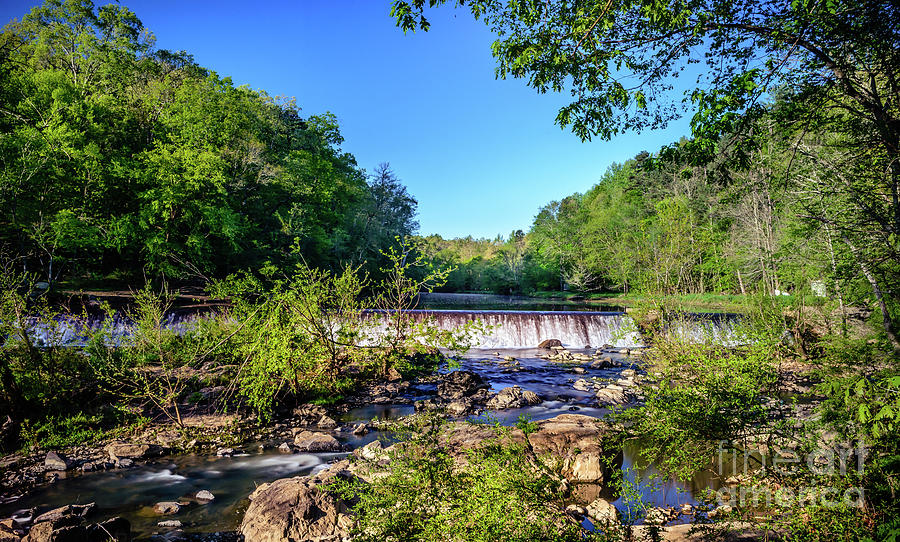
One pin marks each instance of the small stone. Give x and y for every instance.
(286, 448)
(327, 422)
(166, 508)
(88, 467)
(125, 463)
(360, 429)
(205, 495)
(169, 524)
(578, 370)
(687, 509)
(225, 452)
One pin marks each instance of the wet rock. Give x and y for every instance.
(327, 422)
(166, 508)
(55, 461)
(459, 384)
(583, 385)
(169, 524)
(296, 509)
(77, 511)
(129, 450)
(614, 394)
(205, 495)
(603, 514)
(286, 448)
(308, 441)
(225, 452)
(550, 343)
(124, 463)
(513, 397)
(360, 429)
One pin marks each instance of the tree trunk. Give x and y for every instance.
(886, 319)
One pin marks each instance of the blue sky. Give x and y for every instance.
(480, 155)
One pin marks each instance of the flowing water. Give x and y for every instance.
(131, 493)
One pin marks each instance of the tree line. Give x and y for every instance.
(119, 160)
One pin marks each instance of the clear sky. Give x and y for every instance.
(480, 155)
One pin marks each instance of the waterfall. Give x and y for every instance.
(506, 329)
(526, 329)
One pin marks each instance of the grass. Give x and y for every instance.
(699, 302)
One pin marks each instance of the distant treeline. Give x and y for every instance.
(119, 160)
(760, 218)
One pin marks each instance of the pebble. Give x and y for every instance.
(170, 524)
(166, 508)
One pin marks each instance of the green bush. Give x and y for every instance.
(496, 492)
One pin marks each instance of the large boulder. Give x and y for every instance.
(570, 443)
(297, 509)
(550, 343)
(309, 441)
(459, 384)
(513, 397)
(575, 440)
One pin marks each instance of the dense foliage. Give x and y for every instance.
(118, 159)
(422, 490)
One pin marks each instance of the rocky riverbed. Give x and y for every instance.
(212, 481)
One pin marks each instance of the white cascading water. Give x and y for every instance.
(526, 329)
(506, 329)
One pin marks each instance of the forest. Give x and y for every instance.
(121, 161)
(269, 371)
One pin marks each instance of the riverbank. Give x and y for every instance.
(229, 455)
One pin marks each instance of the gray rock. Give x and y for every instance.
(205, 495)
(513, 397)
(55, 461)
(169, 524)
(308, 441)
(459, 384)
(69, 511)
